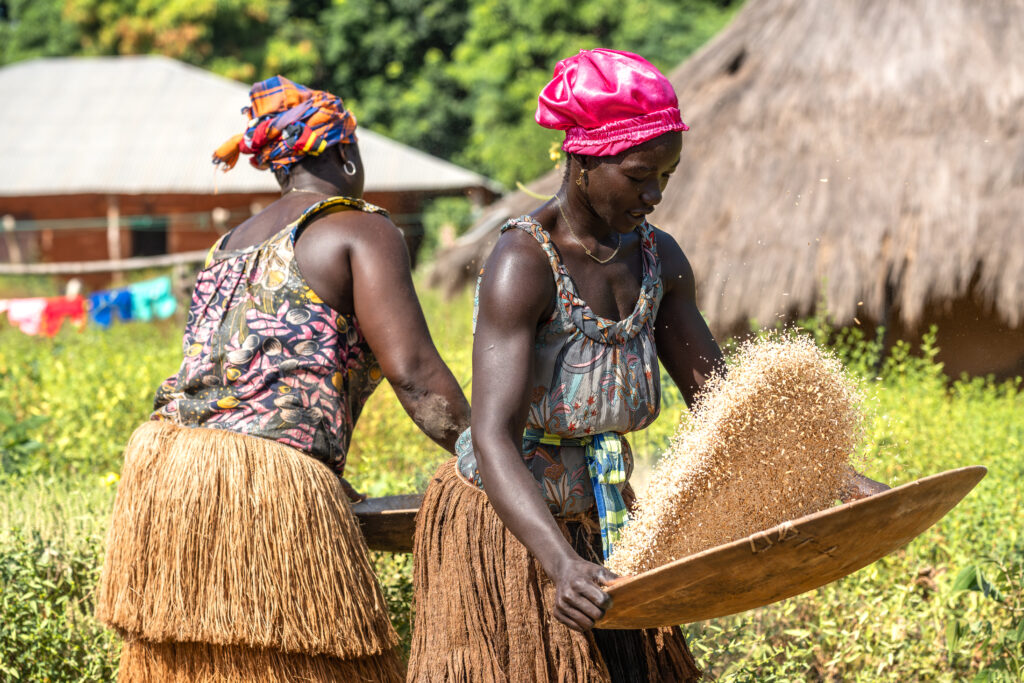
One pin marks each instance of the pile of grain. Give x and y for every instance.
(769, 442)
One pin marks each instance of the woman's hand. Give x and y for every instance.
(859, 487)
(351, 493)
(579, 600)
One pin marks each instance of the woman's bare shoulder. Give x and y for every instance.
(517, 276)
(519, 249)
(675, 267)
(340, 232)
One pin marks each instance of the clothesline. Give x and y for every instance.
(199, 220)
(138, 301)
(108, 266)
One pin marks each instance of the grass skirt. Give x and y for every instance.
(142, 662)
(484, 606)
(234, 558)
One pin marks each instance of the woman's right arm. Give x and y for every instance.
(515, 292)
(391, 318)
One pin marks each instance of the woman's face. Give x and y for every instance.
(626, 187)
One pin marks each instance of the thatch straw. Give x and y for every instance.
(227, 539)
(872, 148)
(770, 442)
(144, 662)
(484, 604)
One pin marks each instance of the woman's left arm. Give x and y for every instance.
(685, 345)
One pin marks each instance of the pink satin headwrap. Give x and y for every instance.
(607, 101)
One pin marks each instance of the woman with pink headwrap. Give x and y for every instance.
(576, 306)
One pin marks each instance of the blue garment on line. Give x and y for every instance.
(153, 298)
(103, 305)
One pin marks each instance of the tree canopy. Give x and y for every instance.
(456, 78)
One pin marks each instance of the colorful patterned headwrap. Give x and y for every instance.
(287, 122)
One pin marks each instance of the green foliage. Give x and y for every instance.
(511, 48)
(46, 630)
(49, 565)
(389, 59)
(80, 395)
(36, 28)
(395, 574)
(998, 631)
(17, 286)
(192, 30)
(16, 443)
(950, 606)
(454, 214)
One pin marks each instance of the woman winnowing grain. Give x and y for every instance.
(576, 305)
(233, 555)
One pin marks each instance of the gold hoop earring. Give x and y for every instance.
(583, 173)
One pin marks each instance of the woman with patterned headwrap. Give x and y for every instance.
(233, 554)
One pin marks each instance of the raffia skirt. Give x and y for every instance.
(233, 558)
(484, 606)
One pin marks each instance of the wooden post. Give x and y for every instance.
(114, 235)
(13, 247)
(181, 283)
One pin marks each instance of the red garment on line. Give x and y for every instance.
(57, 310)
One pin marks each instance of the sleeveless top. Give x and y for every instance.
(591, 376)
(265, 356)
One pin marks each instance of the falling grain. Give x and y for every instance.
(769, 442)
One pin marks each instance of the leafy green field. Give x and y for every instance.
(948, 607)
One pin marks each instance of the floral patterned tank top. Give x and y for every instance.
(591, 375)
(265, 356)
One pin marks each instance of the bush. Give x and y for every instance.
(47, 632)
(17, 446)
(445, 213)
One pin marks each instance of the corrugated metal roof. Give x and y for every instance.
(148, 124)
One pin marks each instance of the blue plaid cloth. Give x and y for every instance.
(603, 453)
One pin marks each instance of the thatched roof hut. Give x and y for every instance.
(868, 152)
